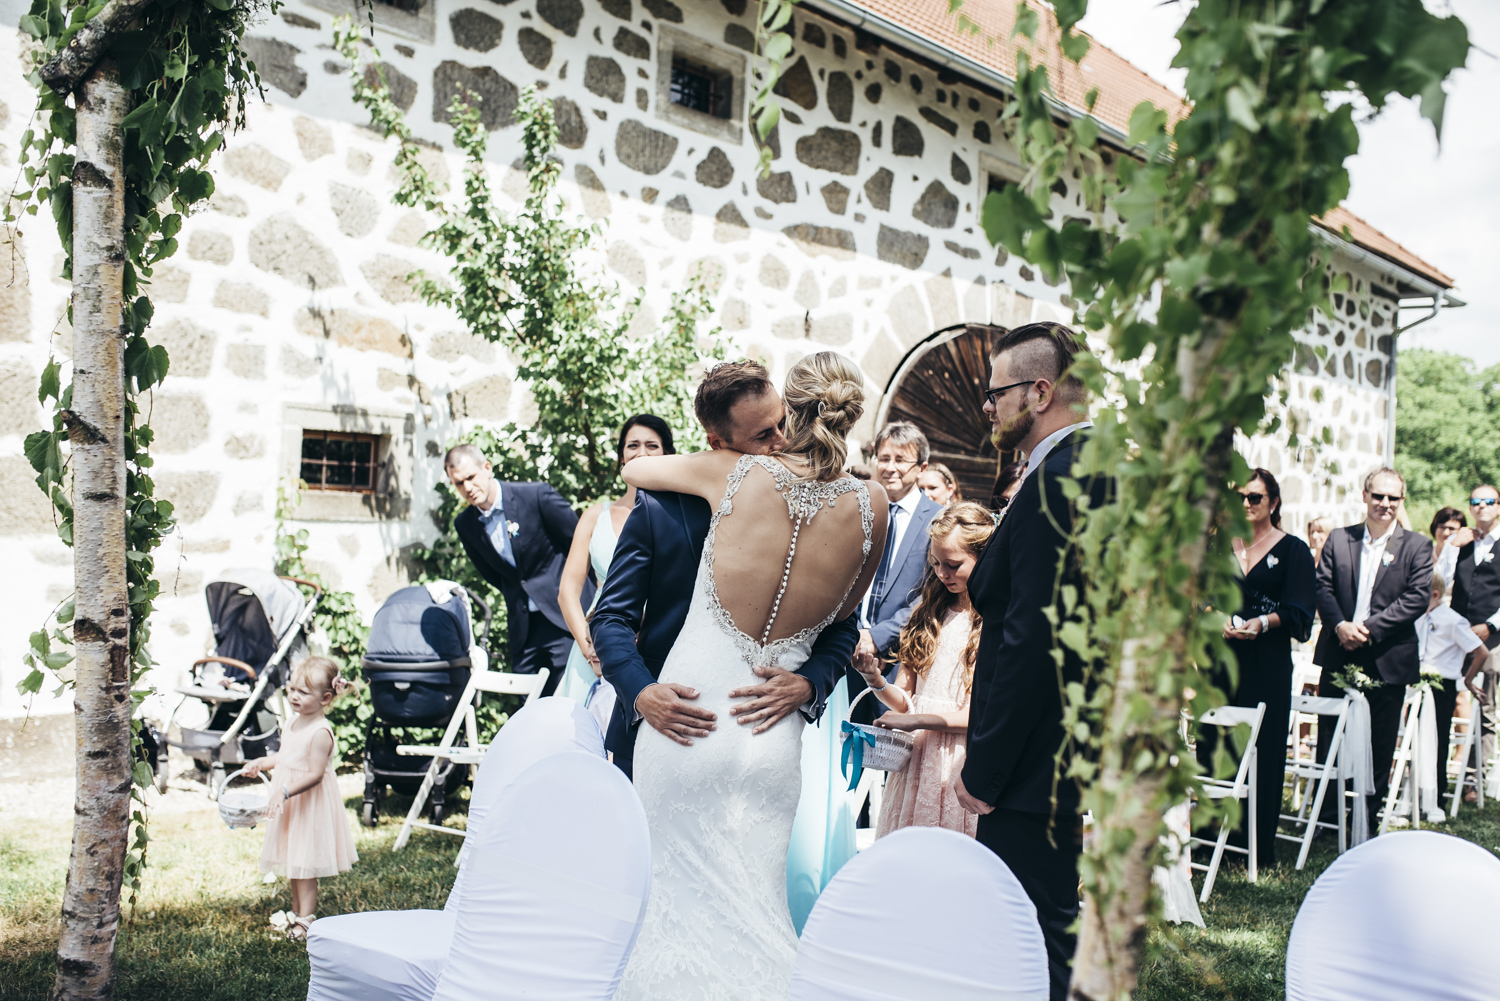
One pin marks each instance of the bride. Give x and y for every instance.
(787, 553)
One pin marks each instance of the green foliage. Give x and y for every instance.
(336, 620)
(1446, 442)
(188, 80)
(774, 37)
(1194, 263)
(517, 282)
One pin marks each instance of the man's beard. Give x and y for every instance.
(1009, 438)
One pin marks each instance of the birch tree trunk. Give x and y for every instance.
(101, 624)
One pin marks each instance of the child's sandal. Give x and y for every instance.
(297, 930)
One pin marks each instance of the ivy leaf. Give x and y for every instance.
(147, 365)
(1075, 47)
(44, 453)
(51, 383)
(194, 186)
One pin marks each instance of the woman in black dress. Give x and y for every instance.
(1278, 591)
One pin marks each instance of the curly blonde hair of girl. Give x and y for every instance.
(322, 675)
(824, 396)
(919, 640)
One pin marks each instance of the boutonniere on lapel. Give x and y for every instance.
(1271, 562)
(513, 528)
(1387, 558)
(1487, 556)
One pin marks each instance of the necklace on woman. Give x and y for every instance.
(1247, 552)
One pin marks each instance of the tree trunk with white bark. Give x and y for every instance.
(101, 624)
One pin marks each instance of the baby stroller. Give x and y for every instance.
(260, 628)
(421, 651)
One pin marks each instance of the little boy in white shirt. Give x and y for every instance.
(1446, 639)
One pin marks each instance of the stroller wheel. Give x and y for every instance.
(437, 813)
(163, 773)
(367, 815)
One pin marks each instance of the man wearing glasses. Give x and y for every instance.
(1472, 562)
(901, 452)
(1373, 581)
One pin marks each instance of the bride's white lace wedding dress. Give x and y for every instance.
(720, 811)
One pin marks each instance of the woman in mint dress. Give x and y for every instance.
(593, 548)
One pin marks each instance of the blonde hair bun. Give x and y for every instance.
(825, 397)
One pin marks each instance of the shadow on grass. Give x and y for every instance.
(200, 928)
(201, 932)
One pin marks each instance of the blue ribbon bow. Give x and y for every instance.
(853, 734)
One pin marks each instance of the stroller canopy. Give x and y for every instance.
(414, 628)
(252, 611)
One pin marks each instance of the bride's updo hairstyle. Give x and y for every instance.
(824, 397)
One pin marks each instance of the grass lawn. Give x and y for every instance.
(200, 930)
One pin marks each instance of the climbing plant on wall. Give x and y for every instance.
(134, 97)
(1194, 263)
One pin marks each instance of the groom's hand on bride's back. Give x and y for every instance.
(782, 694)
(664, 705)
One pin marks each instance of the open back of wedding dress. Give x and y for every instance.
(720, 811)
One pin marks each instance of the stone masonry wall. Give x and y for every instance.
(287, 306)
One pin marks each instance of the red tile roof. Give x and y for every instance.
(1121, 85)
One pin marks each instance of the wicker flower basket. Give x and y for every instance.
(244, 807)
(873, 746)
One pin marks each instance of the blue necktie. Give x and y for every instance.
(506, 553)
(877, 591)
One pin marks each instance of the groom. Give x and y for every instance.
(645, 597)
(1015, 711)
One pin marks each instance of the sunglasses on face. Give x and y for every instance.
(1483, 502)
(1253, 499)
(1388, 498)
(992, 396)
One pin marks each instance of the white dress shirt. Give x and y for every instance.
(1372, 554)
(1039, 454)
(1445, 639)
(1484, 546)
(902, 512)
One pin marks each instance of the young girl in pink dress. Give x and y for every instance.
(308, 836)
(930, 696)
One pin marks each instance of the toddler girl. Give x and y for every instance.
(931, 694)
(308, 836)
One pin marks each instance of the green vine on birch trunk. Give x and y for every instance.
(188, 80)
(1195, 265)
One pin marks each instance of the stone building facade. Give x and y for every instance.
(287, 313)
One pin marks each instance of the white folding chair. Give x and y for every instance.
(1241, 787)
(398, 955)
(968, 928)
(1409, 915)
(482, 681)
(1402, 790)
(1307, 773)
(1471, 764)
(556, 887)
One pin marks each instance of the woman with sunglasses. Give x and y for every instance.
(1278, 596)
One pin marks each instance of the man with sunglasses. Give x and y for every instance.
(1472, 561)
(1373, 581)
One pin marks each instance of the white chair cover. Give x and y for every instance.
(968, 930)
(399, 955)
(1357, 763)
(378, 955)
(556, 888)
(539, 730)
(1407, 915)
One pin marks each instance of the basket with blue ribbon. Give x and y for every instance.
(873, 746)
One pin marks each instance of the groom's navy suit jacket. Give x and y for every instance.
(644, 602)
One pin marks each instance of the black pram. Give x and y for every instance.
(417, 664)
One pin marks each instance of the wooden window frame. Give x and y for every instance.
(373, 466)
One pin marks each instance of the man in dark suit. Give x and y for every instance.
(1373, 581)
(1471, 561)
(518, 536)
(650, 585)
(1015, 709)
(901, 452)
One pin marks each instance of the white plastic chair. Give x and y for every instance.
(1408, 915)
(399, 955)
(968, 928)
(1308, 773)
(1242, 787)
(482, 680)
(1471, 764)
(556, 887)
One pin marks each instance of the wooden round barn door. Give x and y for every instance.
(939, 387)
